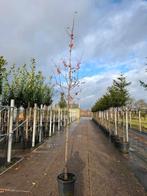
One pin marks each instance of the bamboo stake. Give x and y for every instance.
(40, 130)
(0, 121)
(9, 152)
(34, 125)
(8, 121)
(59, 119)
(54, 116)
(17, 122)
(115, 120)
(46, 117)
(130, 119)
(50, 129)
(27, 124)
(107, 118)
(139, 115)
(64, 117)
(123, 119)
(127, 137)
(66, 144)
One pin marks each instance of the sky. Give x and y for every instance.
(110, 38)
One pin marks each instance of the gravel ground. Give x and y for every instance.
(100, 169)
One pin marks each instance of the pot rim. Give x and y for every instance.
(71, 177)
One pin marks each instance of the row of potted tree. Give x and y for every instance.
(116, 96)
(107, 109)
(24, 84)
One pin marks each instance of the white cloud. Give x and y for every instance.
(97, 85)
(110, 33)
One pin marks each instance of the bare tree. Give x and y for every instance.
(68, 82)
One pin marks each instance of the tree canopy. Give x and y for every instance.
(117, 95)
(3, 63)
(26, 86)
(62, 102)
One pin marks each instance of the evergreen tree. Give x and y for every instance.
(3, 62)
(118, 92)
(116, 96)
(62, 102)
(143, 84)
(26, 86)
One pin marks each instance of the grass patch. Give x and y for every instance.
(135, 124)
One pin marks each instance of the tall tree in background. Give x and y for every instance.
(116, 96)
(27, 86)
(118, 91)
(3, 62)
(142, 83)
(62, 102)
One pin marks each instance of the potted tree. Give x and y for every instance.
(68, 82)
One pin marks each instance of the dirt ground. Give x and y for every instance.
(100, 169)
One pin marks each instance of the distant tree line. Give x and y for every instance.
(117, 95)
(24, 84)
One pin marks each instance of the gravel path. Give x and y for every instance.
(99, 167)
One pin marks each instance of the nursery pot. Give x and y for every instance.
(124, 147)
(112, 138)
(66, 187)
(107, 133)
(117, 142)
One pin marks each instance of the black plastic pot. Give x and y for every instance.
(66, 187)
(124, 147)
(112, 138)
(117, 142)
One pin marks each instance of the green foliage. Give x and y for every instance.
(116, 96)
(3, 62)
(62, 102)
(102, 104)
(26, 86)
(118, 92)
(143, 84)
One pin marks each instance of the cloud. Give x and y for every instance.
(110, 35)
(96, 86)
(118, 32)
